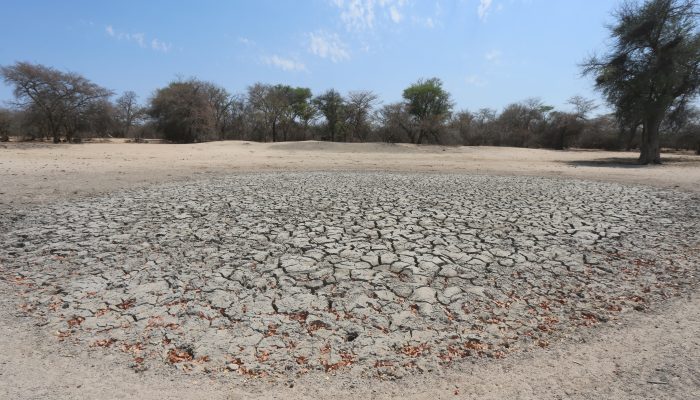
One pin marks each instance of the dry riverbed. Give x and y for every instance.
(246, 270)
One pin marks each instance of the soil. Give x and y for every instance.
(652, 352)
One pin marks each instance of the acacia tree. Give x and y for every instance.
(359, 108)
(182, 111)
(430, 105)
(127, 111)
(220, 103)
(652, 67)
(5, 124)
(58, 98)
(332, 105)
(298, 108)
(280, 106)
(582, 106)
(396, 124)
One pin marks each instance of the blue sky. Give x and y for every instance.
(487, 52)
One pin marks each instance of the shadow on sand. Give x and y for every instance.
(629, 162)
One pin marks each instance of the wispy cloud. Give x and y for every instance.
(483, 9)
(328, 45)
(360, 14)
(158, 45)
(245, 41)
(493, 56)
(285, 64)
(140, 39)
(395, 14)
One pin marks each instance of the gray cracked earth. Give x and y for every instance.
(372, 273)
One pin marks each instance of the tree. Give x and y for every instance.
(429, 104)
(582, 106)
(58, 98)
(220, 103)
(359, 107)
(5, 124)
(332, 105)
(298, 109)
(182, 111)
(652, 67)
(462, 124)
(396, 124)
(281, 107)
(100, 119)
(128, 111)
(521, 123)
(266, 100)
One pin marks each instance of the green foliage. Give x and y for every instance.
(429, 104)
(332, 105)
(652, 67)
(281, 107)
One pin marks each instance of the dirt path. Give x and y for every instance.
(653, 354)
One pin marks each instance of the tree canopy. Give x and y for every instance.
(429, 104)
(652, 67)
(182, 111)
(59, 99)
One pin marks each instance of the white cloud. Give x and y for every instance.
(245, 41)
(328, 45)
(138, 38)
(360, 14)
(395, 14)
(475, 80)
(483, 9)
(157, 45)
(284, 64)
(356, 14)
(493, 56)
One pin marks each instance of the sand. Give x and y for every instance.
(38, 173)
(651, 354)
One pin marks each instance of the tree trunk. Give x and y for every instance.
(650, 152)
(274, 131)
(55, 133)
(419, 136)
(630, 137)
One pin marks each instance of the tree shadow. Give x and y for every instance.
(629, 162)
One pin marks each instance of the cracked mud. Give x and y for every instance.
(381, 274)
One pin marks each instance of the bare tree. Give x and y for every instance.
(359, 107)
(182, 111)
(267, 100)
(128, 111)
(5, 124)
(582, 106)
(220, 102)
(57, 97)
(396, 124)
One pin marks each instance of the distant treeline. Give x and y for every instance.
(64, 106)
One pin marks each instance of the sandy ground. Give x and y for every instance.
(37, 173)
(652, 354)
